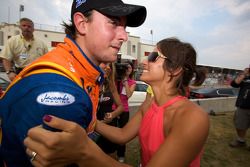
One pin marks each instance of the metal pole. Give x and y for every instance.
(152, 39)
(151, 32)
(21, 9)
(8, 15)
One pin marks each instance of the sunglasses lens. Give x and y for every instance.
(152, 56)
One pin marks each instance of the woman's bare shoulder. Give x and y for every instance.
(188, 113)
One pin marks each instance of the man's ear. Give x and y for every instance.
(80, 22)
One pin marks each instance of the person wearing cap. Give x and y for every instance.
(20, 50)
(65, 82)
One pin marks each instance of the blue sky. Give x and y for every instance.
(218, 29)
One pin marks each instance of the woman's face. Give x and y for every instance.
(129, 70)
(153, 67)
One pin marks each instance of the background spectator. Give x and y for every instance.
(126, 87)
(108, 98)
(242, 114)
(22, 49)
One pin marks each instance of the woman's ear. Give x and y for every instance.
(80, 22)
(178, 71)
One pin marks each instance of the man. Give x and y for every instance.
(22, 49)
(242, 114)
(65, 82)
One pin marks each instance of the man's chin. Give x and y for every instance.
(109, 60)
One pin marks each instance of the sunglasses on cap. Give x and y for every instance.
(153, 56)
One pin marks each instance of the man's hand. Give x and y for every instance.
(246, 71)
(11, 76)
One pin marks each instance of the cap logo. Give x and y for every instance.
(79, 2)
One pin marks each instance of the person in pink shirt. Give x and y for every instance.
(172, 130)
(126, 89)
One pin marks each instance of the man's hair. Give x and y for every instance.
(26, 19)
(70, 29)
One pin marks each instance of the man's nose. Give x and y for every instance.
(123, 36)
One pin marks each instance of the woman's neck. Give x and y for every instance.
(163, 93)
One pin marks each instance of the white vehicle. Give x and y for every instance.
(139, 94)
(1, 48)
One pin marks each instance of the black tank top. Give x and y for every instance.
(106, 102)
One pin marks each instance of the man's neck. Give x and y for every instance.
(28, 38)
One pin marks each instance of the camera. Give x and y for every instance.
(121, 69)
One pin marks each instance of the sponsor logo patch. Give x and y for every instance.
(55, 99)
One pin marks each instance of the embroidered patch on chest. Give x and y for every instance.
(55, 99)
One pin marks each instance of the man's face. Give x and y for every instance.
(27, 28)
(104, 37)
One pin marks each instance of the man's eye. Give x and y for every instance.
(115, 22)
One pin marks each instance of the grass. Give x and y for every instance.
(217, 153)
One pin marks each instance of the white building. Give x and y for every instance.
(132, 49)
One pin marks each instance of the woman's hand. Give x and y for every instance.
(69, 146)
(108, 117)
(57, 148)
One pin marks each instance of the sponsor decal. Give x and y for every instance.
(55, 99)
(104, 98)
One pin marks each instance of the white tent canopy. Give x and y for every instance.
(128, 57)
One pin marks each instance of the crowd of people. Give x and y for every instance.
(69, 106)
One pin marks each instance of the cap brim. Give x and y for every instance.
(135, 14)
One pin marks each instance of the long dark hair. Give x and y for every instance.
(131, 75)
(109, 80)
(181, 55)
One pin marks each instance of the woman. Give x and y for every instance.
(126, 89)
(172, 130)
(106, 113)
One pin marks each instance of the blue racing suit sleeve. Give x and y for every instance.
(30, 99)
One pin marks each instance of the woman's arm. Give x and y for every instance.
(121, 135)
(70, 145)
(129, 89)
(110, 116)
